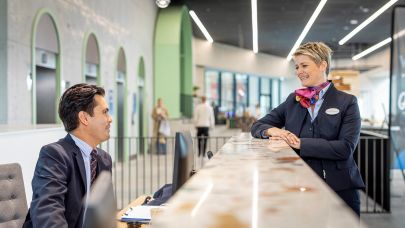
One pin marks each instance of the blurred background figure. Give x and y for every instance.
(258, 113)
(203, 120)
(246, 121)
(159, 116)
(216, 112)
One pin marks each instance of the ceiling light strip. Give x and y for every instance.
(372, 48)
(367, 21)
(254, 26)
(201, 26)
(306, 28)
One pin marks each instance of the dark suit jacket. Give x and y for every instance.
(338, 135)
(59, 185)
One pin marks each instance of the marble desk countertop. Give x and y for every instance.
(256, 183)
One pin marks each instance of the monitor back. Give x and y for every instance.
(183, 159)
(101, 205)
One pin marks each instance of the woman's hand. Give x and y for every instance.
(288, 137)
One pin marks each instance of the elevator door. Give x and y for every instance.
(141, 120)
(120, 120)
(45, 95)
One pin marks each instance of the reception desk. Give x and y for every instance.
(256, 183)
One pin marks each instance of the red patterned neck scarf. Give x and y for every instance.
(310, 95)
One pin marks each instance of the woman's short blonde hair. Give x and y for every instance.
(317, 51)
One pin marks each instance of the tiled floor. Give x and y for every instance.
(395, 219)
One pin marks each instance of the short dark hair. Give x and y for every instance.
(79, 97)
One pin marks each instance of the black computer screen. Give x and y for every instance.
(101, 204)
(183, 159)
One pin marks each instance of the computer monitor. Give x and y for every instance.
(101, 205)
(183, 159)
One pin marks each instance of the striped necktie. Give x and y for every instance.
(93, 166)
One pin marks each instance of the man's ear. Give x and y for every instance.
(83, 118)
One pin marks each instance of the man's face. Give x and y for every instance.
(99, 123)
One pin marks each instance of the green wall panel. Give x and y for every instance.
(172, 69)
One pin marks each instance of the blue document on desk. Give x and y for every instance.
(141, 214)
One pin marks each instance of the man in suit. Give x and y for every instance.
(66, 169)
(320, 123)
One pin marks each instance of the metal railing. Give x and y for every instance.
(144, 164)
(372, 157)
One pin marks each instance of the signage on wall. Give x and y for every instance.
(401, 101)
(110, 98)
(133, 108)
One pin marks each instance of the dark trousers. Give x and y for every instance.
(351, 198)
(202, 135)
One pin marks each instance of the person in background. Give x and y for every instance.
(216, 112)
(66, 169)
(320, 123)
(203, 120)
(258, 112)
(246, 121)
(159, 114)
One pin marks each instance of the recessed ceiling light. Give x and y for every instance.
(367, 21)
(201, 26)
(372, 48)
(364, 9)
(306, 28)
(162, 3)
(254, 26)
(354, 21)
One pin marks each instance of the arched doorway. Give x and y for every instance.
(173, 61)
(142, 113)
(91, 60)
(45, 68)
(121, 102)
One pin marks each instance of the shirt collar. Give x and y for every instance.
(84, 147)
(323, 91)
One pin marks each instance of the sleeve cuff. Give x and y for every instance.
(263, 135)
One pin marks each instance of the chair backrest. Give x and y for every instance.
(13, 202)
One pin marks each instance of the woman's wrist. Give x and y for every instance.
(269, 132)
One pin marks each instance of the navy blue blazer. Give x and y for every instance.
(337, 140)
(59, 185)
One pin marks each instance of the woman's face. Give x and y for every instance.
(309, 73)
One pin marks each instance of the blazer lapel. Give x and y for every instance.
(298, 114)
(329, 95)
(100, 163)
(79, 160)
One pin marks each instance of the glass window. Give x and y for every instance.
(211, 85)
(253, 95)
(226, 92)
(265, 86)
(241, 93)
(265, 95)
(275, 93)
